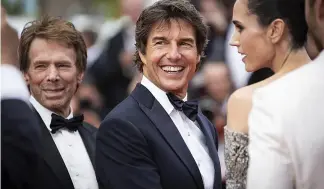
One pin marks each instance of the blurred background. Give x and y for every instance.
(108, 28)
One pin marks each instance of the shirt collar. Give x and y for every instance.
(159, 95)
(45, 113)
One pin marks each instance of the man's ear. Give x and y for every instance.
(80, 77)
(142, 57)
(26, 77)
(276, 30)
(198, 62)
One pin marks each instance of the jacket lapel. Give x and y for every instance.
(169, 131)
(52, 156)
(212, 148)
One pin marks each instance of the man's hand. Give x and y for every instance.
(9, 41)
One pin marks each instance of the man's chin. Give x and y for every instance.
(174, 88)
(55, 105)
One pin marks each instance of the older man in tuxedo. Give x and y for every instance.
(286, 122)
(52, 57)
(156, 138)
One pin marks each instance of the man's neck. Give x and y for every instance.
(62, 112)
(180, 94)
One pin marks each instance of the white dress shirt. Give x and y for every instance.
(190, 132)
(13, 85)
(286, 130)
(72, 150)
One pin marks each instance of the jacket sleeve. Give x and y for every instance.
(123, 157)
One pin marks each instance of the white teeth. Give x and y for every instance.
(172, 68)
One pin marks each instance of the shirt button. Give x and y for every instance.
(77, 174)
(70, 145)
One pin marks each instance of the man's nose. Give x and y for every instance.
(53, 73)
(173, 54)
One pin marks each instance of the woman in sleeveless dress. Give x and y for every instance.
(272, 34)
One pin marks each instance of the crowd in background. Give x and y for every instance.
(111, 74)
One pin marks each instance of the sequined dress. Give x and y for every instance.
(236, 158)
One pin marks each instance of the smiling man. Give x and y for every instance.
(156, 138)
(52, 56)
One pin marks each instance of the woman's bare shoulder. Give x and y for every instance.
(242, 96)
(238, 108)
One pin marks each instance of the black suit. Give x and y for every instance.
(52, 172)
(139, 147)
(20, 145)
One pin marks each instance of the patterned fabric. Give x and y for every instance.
(236, 159)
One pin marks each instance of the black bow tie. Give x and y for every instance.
(189, 108)
(59, 122)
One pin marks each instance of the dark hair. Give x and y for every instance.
(292, 12)
(52, 28)
(164, 11)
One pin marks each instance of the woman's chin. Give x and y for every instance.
(250, 68)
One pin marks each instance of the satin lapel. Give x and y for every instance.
(169, 131)
(88, 139)
(206, 129)
(52, 156)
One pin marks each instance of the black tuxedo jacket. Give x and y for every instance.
(52, 172)
(20, 145)
(139, 147)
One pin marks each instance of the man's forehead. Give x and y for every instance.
(166, 24)
(164, 27)
(43, 49)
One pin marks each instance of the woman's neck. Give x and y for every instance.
(292, 60)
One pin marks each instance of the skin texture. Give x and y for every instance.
(171, 44)
(52, 75)
(250, 38)
(264, 46)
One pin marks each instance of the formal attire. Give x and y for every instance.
(286, 131)
(150, 144)
(20, 133)
(67, 155)
(236, 158)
